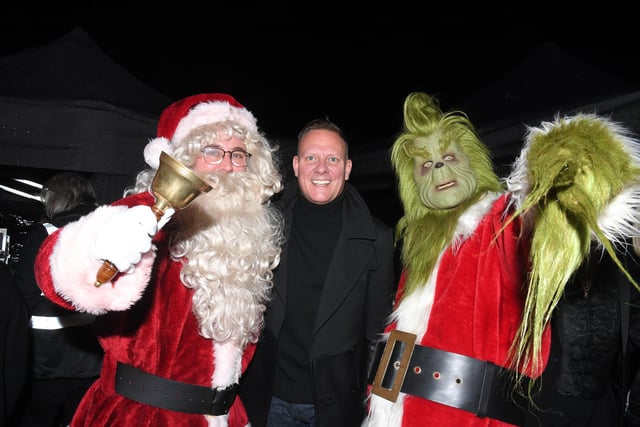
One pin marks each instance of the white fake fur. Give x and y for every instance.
(413, 313)
(202, 114)
(74, 267)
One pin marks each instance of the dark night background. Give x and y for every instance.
(289, 62)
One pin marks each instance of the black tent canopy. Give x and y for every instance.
(67, 105)
(548, 82)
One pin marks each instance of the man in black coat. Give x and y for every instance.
(332, 293)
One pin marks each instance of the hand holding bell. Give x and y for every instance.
(174, 187)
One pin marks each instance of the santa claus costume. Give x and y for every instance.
(180, 326)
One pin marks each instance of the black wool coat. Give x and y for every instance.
(356, 299)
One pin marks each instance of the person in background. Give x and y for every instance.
(632, 409)
(180, 318)
(332, 293)
(632, 359)
(66, 356)
(14, 346)
(595, 330)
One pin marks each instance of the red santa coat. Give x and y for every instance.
(157, 333)
(475, 310)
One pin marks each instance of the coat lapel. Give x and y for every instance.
(353, 253)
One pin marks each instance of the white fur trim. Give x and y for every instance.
(383, 412)
(518, 180)
(228, 361)
(219, 421)
(412, 315)
(74, 267)
(470, 219)
(213, 112)
(620, 218)
(153, 150)
(228, 368)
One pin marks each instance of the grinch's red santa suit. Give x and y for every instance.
(180, 321)
(484, 263)
(476, 287)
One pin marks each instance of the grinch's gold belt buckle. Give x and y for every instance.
(406, 342)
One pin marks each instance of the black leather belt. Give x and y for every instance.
(143, 387)
(451, 379)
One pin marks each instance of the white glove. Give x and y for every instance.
(168, 213)
(126, 236)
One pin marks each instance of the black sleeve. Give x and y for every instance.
(24, 275)
(14, 342)
(632, 418)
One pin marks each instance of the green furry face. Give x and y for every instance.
(442, 172)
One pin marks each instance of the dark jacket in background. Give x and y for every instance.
(14, 345)
(595, 330)
(356, 297)
(65, 361)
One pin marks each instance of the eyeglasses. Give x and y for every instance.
(215, 155)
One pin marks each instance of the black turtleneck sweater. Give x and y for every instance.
(314, 233)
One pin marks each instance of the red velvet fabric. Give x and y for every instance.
(476, 310)
(159, 335)
(177, 111)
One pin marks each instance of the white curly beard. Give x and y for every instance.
(230, 243)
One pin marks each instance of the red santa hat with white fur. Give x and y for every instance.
(181, 117)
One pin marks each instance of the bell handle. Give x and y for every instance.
(106, 273)
(158, 210)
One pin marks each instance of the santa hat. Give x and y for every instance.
(181, 117)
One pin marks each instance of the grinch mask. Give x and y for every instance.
(442, 172)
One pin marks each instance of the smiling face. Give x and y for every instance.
(321, 165)
(442, 172)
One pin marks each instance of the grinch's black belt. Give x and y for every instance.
(143, 387)
(480, 387)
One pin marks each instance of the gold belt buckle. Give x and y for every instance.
(402, 365)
